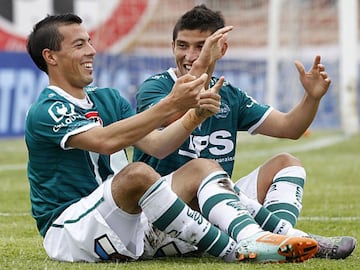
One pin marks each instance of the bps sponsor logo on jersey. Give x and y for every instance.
(218, 143)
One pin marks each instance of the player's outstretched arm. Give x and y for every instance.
(124, 133)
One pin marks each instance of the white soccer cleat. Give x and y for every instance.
(265, 247)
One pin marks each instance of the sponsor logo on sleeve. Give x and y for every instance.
(63, 114)
(59, 110)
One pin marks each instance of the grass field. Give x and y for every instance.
(331, 205)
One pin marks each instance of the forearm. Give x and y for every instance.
(136, 127)
(163, 142)
(123, 133)
(290, 125)
(301, 116)
(199, 67)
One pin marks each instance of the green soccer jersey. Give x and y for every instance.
(216, 137)
(58, 175)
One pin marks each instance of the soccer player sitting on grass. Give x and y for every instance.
(272, 192)
(90, 205)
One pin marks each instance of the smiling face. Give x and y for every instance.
(71, 68)
(187, 47)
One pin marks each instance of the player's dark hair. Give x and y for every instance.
(199, 18)
(46, 35)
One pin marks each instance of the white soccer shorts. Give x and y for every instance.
(81, 233)
(248, 184)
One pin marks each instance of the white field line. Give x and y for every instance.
(8, 214)
(12, 167)
(302, 147)
(319, 218)
(329, 218)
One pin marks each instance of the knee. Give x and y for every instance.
(192, 173)
(286, 160)
(139, 174)
(203, 167)
(133, 181)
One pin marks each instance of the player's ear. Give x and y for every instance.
(49, 57)
(224, 48)
(173, 46)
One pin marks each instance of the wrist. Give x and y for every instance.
(199, 67)
(167, 106)
(191, 120)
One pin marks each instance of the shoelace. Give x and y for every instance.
(327, 250)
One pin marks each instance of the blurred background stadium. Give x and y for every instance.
(133, 40)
